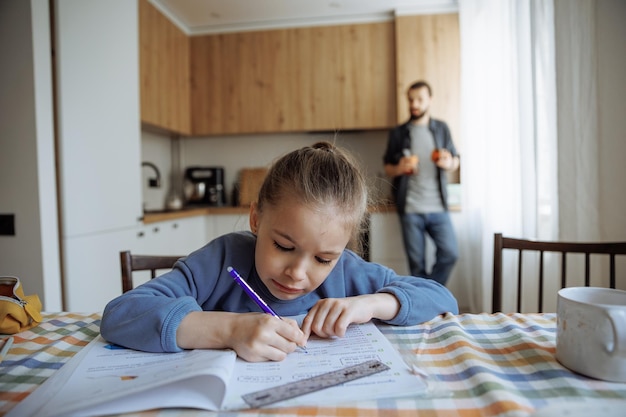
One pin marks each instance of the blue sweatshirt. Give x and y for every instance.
(147, 317)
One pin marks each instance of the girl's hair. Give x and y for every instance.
(318, 176)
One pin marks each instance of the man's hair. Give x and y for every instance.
(420, 84)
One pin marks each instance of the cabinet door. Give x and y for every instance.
(174, 237)
(428, 47)
(164, 63)
(222, 224)
(190, 234)
(97, 66)
(318, 78)
(92, 262)
(92, 274)
(386, 246)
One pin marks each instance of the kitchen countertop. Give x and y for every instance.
(160, 216)
(165, 215)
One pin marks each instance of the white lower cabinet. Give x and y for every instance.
(386, 246)
(227, 223)
(174, 237)
(92, 268)
(92, 274)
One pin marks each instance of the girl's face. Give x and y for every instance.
(297, 247)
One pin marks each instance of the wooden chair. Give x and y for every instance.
(526, 245)
(152, 263)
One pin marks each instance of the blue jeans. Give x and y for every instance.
(439, 227)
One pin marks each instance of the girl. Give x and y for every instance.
(310, 206)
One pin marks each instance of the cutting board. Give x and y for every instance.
(250, 181)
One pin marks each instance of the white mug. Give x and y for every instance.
(591, 332)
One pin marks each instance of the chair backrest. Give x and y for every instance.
(152, 263)
(525, 245)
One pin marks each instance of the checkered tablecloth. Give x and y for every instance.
(475, 365)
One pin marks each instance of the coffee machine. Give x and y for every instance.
(204, 186)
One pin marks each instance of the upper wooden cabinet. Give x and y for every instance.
(319, 78)
(428, 48)
(336, 78)
(164, 72)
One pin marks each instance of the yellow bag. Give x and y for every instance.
(18, 312)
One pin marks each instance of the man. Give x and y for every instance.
(419, 152)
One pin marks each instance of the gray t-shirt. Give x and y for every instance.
(423, 195)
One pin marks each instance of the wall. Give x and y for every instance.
(243, 151)
(156, 149)
(27, 171)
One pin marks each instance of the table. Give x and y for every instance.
(475, 364)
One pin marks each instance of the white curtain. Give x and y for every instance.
(579, 138)
(509, 128)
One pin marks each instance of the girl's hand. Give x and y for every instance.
(260, 337)
(255, 337)
(332, 316)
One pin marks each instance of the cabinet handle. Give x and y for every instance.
(175, 226)
(155, 230)
(140, 234)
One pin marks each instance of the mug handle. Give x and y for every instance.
(618, 321)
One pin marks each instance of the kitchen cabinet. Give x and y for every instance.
(428, 48)
(98, 140)
(97, 114)
(187, 235)
(303, 79)
(164, 72)
(93, 261)
(222, 224)
(336, 77)
(92, 268)
(175, 237)
(386, 246)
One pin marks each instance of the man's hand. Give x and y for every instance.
(447, 161)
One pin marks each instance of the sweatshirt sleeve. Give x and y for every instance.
(420, 299)
(147, 317)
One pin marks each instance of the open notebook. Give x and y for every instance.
(106, 379)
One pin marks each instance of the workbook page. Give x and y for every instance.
(361, 343)
(105, 379)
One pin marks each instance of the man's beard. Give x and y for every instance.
(415, 117)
